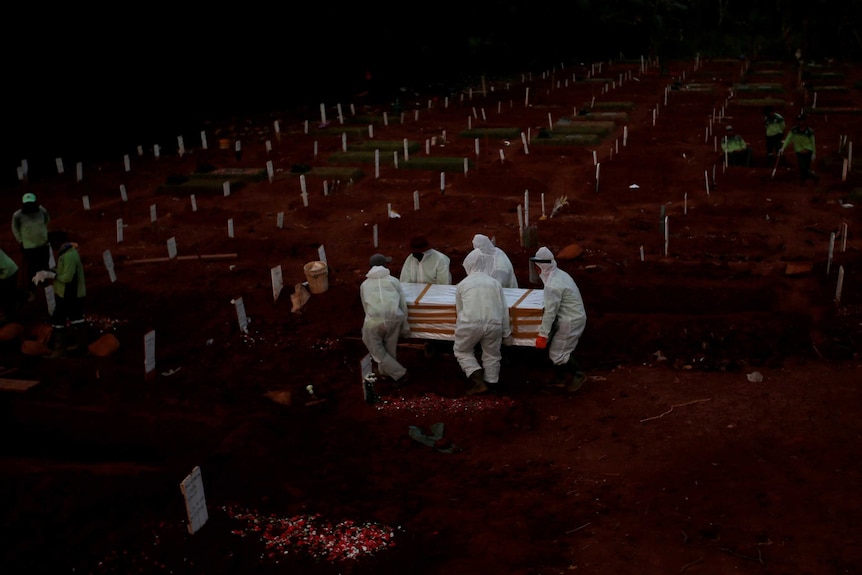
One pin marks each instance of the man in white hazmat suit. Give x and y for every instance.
(482, 318)
(385, 318)
(502, 270)
(425, 265)
(563, 320)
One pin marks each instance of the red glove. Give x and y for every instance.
(541, 342)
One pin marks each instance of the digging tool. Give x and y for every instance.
(777, 159)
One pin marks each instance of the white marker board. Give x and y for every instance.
(150, 351)
(196, 505)
(109, 265)
(277, 282)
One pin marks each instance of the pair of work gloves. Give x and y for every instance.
(43, 275)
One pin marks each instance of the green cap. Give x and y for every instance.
(28, 198)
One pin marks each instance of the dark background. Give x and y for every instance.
(85, 83)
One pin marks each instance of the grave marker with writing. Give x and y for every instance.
(196, 506)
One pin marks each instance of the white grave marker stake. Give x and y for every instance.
(374, 231)
(416, 200)
(840, 284)
(230, 227)
(543, 206)
(127, 163)
(321, 254)
(377, 163)
(642, 253)
(666, 235)
(524, 141)
(406, 151)
(120, 230)
(466, 165)
(521, 225)
(225, 188)
(595, 158)
(598, 167)
(685, 204)
(241, 316)
(322, 114)
(79, 172)
(277, 282)
(279, 220)
(203, 140)
(268, 146)
(109, 265)
(844, 237)
(59, 162)
(181, 147)
(157, 151)
(831, 252)
(395, 159)
(340, 115)
(194, 203)
(476, 146)
(343, 143)
(706, 179)
(502, 156)
(86, 200)
(152, 213)
(196, 505)
(172, 247)
(149, 351)
(442, 182)
(270, 171)
(123, 195)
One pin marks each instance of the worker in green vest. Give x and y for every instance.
(801, 137)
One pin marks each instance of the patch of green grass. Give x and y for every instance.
(610, 106)
(500, 133)
(765, 73)
(335, 131)
(616, 117)
(210, 182)
(447, 164)
(820, 110)
(363, 157)
(598, 128)
(758, 102)
(383, 146)
(563, 139)
(832, 89)
(394, 118)
(336, 173)
(695, 87)
(442, 163)
(765, 87)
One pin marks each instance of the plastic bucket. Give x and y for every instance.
(317, 274)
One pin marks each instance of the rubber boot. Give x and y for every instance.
(478, 380)
(61, 342)
(79, 338)
(578, 376)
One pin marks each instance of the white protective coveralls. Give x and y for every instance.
(502, 271)
(482, 317)
(433, 269)
(563, 305)
(385, 320)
